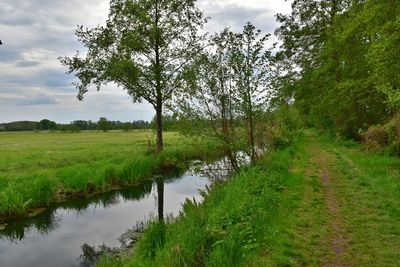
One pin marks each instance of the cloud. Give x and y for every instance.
(40, 99)
(27, 63)
(236, 16)
(33, 84)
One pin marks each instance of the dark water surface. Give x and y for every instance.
(55, 237)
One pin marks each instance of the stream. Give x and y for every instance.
(58, 236)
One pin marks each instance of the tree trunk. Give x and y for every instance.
(159, 101)
(252, 142)
(160, 199)
(233, 159)
(160, 142)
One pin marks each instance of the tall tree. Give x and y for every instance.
(304, 34)
(326, 45)
(381, 24)
(251, 66)
(209, 99)
(143, 48)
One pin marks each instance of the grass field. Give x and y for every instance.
(314, 203)
(38, 168)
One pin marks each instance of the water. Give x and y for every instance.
(55, 237)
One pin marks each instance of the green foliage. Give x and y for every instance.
(46, 124)
(208, 102)
(19, 126)
(341, 62)
(169, 123)
(154, 240)
(282, 127)
(384, 138)
(103, 125)
(250, 62)
(143, 48)
(127, 126)
(227, 90)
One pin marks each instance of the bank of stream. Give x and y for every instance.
(61, 234)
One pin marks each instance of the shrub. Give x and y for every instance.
(393, 129)
(377, 134)
(375, 138)
(384, 138)
(283, 127)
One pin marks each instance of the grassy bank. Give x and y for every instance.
(315, 203)
(238, 223)
(38, 168)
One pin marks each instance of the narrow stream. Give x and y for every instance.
(56, 237)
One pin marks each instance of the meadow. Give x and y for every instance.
(43, 167)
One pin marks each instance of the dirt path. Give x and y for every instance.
(320, 168)
(346, 209)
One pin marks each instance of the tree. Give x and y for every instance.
(127, 126)
(103, 124)
(169, 122)
(141, 124)
(46, 124)
(209, 99)
(330, 64)
(305, 30)
(251, 64)
(381, 23)
(143, 48)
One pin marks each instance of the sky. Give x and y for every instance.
(34, 85)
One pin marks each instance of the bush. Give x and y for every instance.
(375, 138)
(393, 129)
(384, 138)
(283, 126)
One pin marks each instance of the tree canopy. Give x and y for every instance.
(341, 61)
(143, 48)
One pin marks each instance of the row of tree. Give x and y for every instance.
(340, 62)
(81, 125)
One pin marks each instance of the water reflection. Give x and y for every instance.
(220, 170)
(55, 237)
(48, 221)
(214, 172)
(160, 198)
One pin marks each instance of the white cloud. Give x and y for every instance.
(33, 84)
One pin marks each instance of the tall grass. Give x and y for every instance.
(228, 229)
(38, 168)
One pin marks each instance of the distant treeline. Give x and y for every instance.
(82, 125)
(75, 126)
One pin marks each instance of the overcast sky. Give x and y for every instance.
(33, 84)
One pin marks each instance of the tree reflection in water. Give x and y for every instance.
(48, 221)
(215, 172)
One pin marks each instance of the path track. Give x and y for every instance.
(322, 182)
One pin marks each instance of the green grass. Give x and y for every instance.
(369, 189)
(37, 168)
(237, 224)
(276, 213)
